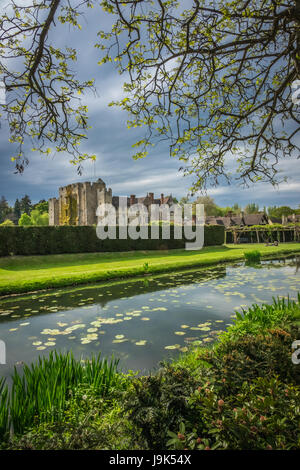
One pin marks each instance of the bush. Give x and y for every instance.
(7, 222)
(30, 240)
(24, 220)
(157, 402)
(250, 356)
(264, 415)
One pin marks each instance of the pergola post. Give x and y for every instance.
(234, 237)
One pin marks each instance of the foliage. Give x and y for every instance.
(246, 357)
(25, 204)
(42, 206)
(40, 393)
(35, 218)
(79, 239)
(240, 394)
(264, 415)
(157, 402)
(4, 209)
(252, 256)
(210, 207)
(280, 211)
(188, 81)
(246, 393)
(38, 218)
(17, 210)
(208, 79)
(24, 220)
(251, 208)
(8, 222)
(259, 318)
(42, 102)
(89, 422)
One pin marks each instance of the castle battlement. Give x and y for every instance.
(77, 203)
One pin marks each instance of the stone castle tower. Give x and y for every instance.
(78, 202)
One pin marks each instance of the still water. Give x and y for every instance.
(139, 321)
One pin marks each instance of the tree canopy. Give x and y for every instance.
(213, 79)
(42, 103)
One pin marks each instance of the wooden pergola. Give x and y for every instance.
(262, 234)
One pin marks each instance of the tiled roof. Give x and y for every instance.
(255, 219)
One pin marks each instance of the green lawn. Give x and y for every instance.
(23, 274)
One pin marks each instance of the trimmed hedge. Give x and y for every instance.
(40, 240)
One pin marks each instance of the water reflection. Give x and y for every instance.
(141, 321)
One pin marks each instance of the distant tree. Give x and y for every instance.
(24, 220)
(8, 222)
(280, 211)
(210, 207)
(25, 204)
(4, 209)
(184, 200)
(236, 209)
(221, 211)
(38, 218)
(42, 206)
(17, 210)
(251, 208)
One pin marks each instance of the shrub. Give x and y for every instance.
(7, 222)
(38, 240)
(264, 415)
(157, 402)
(250, 356)
(25, 220)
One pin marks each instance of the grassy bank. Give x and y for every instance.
(241, 393)
(24, 274)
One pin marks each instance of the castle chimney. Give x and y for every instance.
(162, 198)
(132, 199)
(151, 196)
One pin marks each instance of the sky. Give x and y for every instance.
(111, 141)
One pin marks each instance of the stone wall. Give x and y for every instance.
(77, 203)
(53, 211)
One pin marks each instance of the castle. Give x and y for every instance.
(78, 202)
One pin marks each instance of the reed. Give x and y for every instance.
(41, 391)
(252, 256)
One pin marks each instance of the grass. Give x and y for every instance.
(19, 274)
(259, 318)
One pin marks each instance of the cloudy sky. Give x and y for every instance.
(111, 141)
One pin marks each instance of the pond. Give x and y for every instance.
(139, 321)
